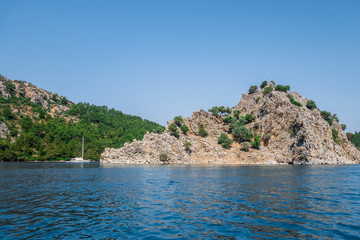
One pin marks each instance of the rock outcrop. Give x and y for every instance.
(290, 134)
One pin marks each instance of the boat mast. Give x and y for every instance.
(82, 152)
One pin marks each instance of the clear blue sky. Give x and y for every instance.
(159, 59)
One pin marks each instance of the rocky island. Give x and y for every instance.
(269, 125)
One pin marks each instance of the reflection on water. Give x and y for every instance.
(66, 201)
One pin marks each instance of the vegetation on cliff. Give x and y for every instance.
(34, 132)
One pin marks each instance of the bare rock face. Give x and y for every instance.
(290, 134)
(46, 99)
(4, 130)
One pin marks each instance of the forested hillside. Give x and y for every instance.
(38, 125)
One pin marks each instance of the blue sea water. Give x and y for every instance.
(92, 201)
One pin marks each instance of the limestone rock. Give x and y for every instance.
(4, 130)
(297, 136)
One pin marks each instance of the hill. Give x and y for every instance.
(36, 124)
(269, 125)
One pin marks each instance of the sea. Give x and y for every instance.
(94, 201)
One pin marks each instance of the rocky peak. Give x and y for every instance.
(289, 132)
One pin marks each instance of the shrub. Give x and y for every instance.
(228, 119)
(310, 104)
(343, 127)
(159, 130)
(272, 81)
(327, 117)
(178, 120)
(241, 134)
(184, 129)
(335, 136)
(282, 88)
(164, 157)
(292, 100)
(252, 89)
(268, 91)
(257, 142)
(249, 118)
(263, 84)
(267, 138)
(236, 113)
(214, 110)
(245, 146)
(224, 140)
(202, 131)
(187, 146)
(7, 113)
(224, 110)
(173, 130)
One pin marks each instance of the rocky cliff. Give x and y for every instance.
(289, 131)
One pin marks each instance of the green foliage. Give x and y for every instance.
(159, 130)
(292, 100)
(164, 158)
(184, 129)
(257, 142)
(335, 136)
(228, 119)
(174, 130)
(249, 118)
(7, 113)
(236, 113)
(225, 141)
(202, 131)
(187, 146)
(55, 138)
(268, 91)
(343, 127)
(282, 88)
(252, 89)
(245, 146)
(178, 120)
(263, 84)
(354, 138)
(10, 87)
(310, 104)
(224, 110)
(64, 101)
(214, 110)
(241, 133)
(272, 81)
(327, 117)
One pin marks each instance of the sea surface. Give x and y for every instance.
(93, 201)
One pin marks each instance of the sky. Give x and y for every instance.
(160, 59)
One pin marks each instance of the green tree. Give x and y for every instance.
(178, 120)
(310, 104)
(214, 110)
(225, 141)
(257, 142)
(173, 130)
(263, 84)
(252, 89)
(241, 134)
(282, 88)
(268, 91)
(202, 131)
(237, 113)
(184, 129)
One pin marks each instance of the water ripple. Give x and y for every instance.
(90, 201)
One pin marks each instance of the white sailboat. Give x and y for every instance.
(80, 159)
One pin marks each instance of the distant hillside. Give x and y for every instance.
(36, 124)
